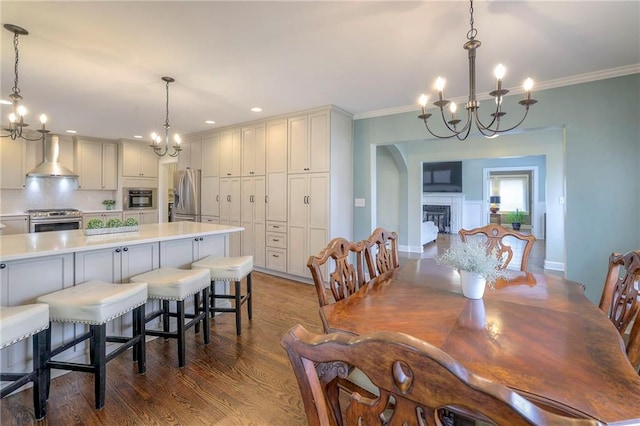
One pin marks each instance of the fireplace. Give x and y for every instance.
(439, 215)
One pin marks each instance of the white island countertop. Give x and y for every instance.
(25, 246)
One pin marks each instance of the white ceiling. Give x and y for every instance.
(96, 66)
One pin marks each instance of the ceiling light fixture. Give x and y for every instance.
(488, 130)
(16, 118)
(156, 139)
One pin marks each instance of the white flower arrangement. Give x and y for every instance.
(472, 256)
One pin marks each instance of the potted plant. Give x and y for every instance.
(477, 268)
(516, 218)
(109, 204)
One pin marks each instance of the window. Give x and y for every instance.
(513, 191)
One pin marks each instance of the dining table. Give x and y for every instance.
(536, 333)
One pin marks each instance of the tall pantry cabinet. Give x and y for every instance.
(320, 184)
(252, 206)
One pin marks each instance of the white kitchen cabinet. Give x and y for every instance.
(230, 205)
(253, 219)
(144, 217)
(103, 216)
(276, 171)
(191, 155)
(210, 219)
(19, 286)
(13, 156)
(211, 155)
(253, 150)
(182, 252)
(230, 153)
(308, 224)
(309, 143)
(138, 160)
(96, 164)
(15, 224)
(210, 196)
(276, 246)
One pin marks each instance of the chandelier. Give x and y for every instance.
(492, 129)
(16, 127)
(156, 140)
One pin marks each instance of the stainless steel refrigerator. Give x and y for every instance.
(186, 196)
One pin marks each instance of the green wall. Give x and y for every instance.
(590, 135)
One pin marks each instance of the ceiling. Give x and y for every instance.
(96, 67)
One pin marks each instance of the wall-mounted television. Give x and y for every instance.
(442, 177)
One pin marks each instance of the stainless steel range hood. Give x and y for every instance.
(50, 167)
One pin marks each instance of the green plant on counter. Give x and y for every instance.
(515, 217)
(95, 224)
(114, 223)
(130, 222)
(109, 202)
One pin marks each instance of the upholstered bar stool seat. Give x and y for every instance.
(16, 324)
(229, 269)
(171, 284)
(95, 303)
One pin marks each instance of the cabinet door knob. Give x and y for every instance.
(266, 198)
(275, 255)
(201, 239)
(217, 197)
(195, 239)
(117, 250)
(3, 265)
(125, 249)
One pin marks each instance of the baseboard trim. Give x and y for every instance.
(411, 249)
(283, 275)
(554, 266)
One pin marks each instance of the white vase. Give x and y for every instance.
(472, 284)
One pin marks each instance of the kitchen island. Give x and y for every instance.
(39, 263)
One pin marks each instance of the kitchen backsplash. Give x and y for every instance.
(52, 193)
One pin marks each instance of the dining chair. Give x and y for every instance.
(414, 380)
(385, 245)
(346, 277)
(511, 246)
(619, 300)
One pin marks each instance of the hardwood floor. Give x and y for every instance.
(244, 380)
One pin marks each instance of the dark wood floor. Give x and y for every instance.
(244, 380)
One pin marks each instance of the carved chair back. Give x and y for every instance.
(511, 246)
(414, 380)
(346, 278)
(619, 300)
(385, 245)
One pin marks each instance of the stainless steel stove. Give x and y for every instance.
(45, 220)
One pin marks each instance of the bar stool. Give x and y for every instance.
(229, 269)
(16, 324)
(167, 284)
(95, 303)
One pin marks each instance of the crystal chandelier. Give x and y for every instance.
(492, 129)
(156, 140)
(16, 127)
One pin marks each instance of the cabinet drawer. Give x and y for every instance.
(275, 239)
(276, 259)
(276, 227)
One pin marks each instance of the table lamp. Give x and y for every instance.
(494, 200)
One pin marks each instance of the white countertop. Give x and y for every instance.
(24, 246)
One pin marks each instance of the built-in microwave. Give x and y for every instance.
(139, 198)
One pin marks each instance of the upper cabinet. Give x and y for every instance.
(191, 155)
(230, 152)
(309, 143)
(253, 150)
(211, 155)
(13, 156)
(138, 160)
(276, 150)
(96, 163)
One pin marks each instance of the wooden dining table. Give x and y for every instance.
(538, 334)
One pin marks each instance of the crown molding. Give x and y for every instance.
(551, 84)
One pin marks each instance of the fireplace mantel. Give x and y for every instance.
(456, 202)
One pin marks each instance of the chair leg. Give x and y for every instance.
(196, 311)
(238, 310)
(212, 299)
(206, 326)
(165, 317)
(47, 370)
(249, 295)
(181, 334)
(139, 330)
(99, 342)
(39, 382)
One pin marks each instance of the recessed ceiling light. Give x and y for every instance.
(71, 131)
(256, 109)
(3, 102)
(210, 122)
(137, 137)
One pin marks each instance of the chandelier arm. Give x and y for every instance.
(454, 133)
(497, 131)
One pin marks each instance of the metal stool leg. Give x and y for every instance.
(181, 334)
(206, 326)
(99, 342)
(39, 365)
